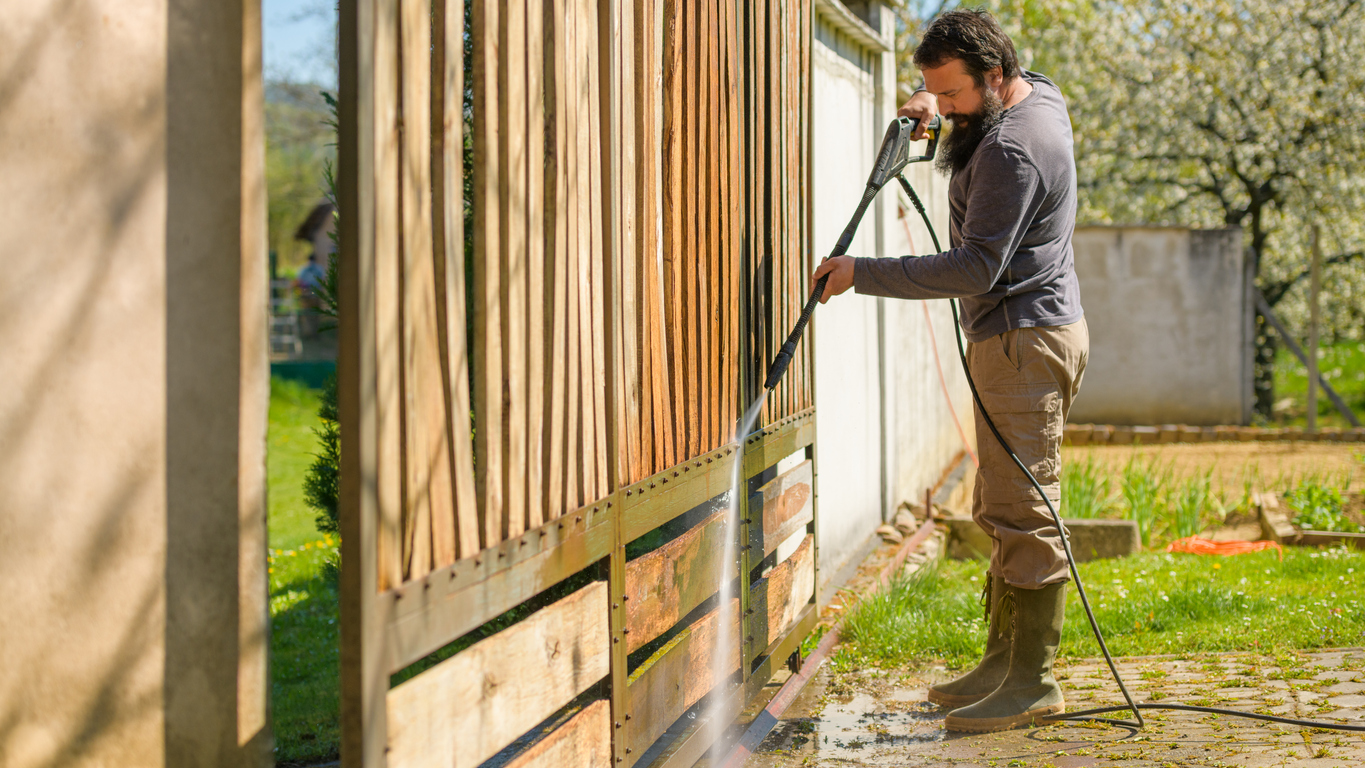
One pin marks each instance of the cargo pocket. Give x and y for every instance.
(1031, 421)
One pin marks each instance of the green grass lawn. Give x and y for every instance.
(1342, 365)
(1151, 603)
(304, 637)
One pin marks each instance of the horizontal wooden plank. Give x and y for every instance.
(677, 676)
(585, 740)
(650, 503)
(692, 744)
(662, 586)
(656, 500)
(777, 441)
(467, 708)
(775, 600)
(779, 650)
(783, 506)
(431, 612)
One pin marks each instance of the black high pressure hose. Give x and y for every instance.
(1087, 714)
(779, 366)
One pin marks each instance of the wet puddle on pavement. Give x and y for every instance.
(845, 729)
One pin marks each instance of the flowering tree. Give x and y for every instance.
(1209, 113)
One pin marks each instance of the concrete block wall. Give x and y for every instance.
(1170, 313)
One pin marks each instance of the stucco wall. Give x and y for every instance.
(132, 419)
(884, 432)
(1170, 326)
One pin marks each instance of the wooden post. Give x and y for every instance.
(1314, 286)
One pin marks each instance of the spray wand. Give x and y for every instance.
(892, 159)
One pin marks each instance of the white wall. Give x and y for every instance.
(884, 432)
(844, 135)
(922, 438)
(1170, 334)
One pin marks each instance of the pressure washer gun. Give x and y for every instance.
(892, 159)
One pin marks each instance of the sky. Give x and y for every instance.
(299, 43)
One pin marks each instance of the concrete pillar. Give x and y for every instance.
(132, 420)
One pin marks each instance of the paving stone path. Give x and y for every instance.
(881, 718)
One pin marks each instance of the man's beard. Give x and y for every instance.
(959, 145)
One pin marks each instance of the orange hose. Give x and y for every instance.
(1197, 546)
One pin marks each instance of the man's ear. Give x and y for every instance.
(995, 77)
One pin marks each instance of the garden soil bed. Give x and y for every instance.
(1269, 466)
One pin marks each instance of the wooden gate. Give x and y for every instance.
(573, 233)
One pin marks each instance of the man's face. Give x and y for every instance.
(957, 92)
(971, 109)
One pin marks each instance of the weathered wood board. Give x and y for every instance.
(776, 600)
(783, 506)
(662, 586)
(677, 676)
(462, 711)
(583, 742)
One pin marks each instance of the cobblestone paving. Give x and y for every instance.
(880, 718)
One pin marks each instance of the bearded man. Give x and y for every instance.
(1013, 211)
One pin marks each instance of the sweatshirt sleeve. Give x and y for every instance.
(1005, 194)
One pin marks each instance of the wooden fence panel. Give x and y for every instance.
(468, 707)
(633, 250)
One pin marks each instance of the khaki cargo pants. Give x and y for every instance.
(1027, 379)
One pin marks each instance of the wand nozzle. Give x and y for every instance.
(784, 355)
(892, 158)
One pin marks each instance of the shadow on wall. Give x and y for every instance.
(119, 420)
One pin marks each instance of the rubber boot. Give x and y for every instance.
(995, 663)
(1029, 692)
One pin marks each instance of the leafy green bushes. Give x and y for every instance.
(1319, 507)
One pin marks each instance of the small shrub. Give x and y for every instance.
(1085, 489)
(1319, 507)
(320, 486)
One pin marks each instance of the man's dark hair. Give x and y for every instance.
(974, 37)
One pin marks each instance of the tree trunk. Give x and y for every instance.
(1267, 344)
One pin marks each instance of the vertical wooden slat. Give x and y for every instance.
(778, 172)
(426, 451)
(704, 193)
(762, 229)
(793, 162)
(692, 250)
(716, 246)
(736, 210)
(367, 86)
(585, 26)
(579, 438)
(722, 183)
(646, 229)
(558, 452)
(674, 219)
(514, 162)
(488, 367)
(387, 228)
(452, 213)
(626, 307)
(598, 254)
(801, 231)
(535, 263)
